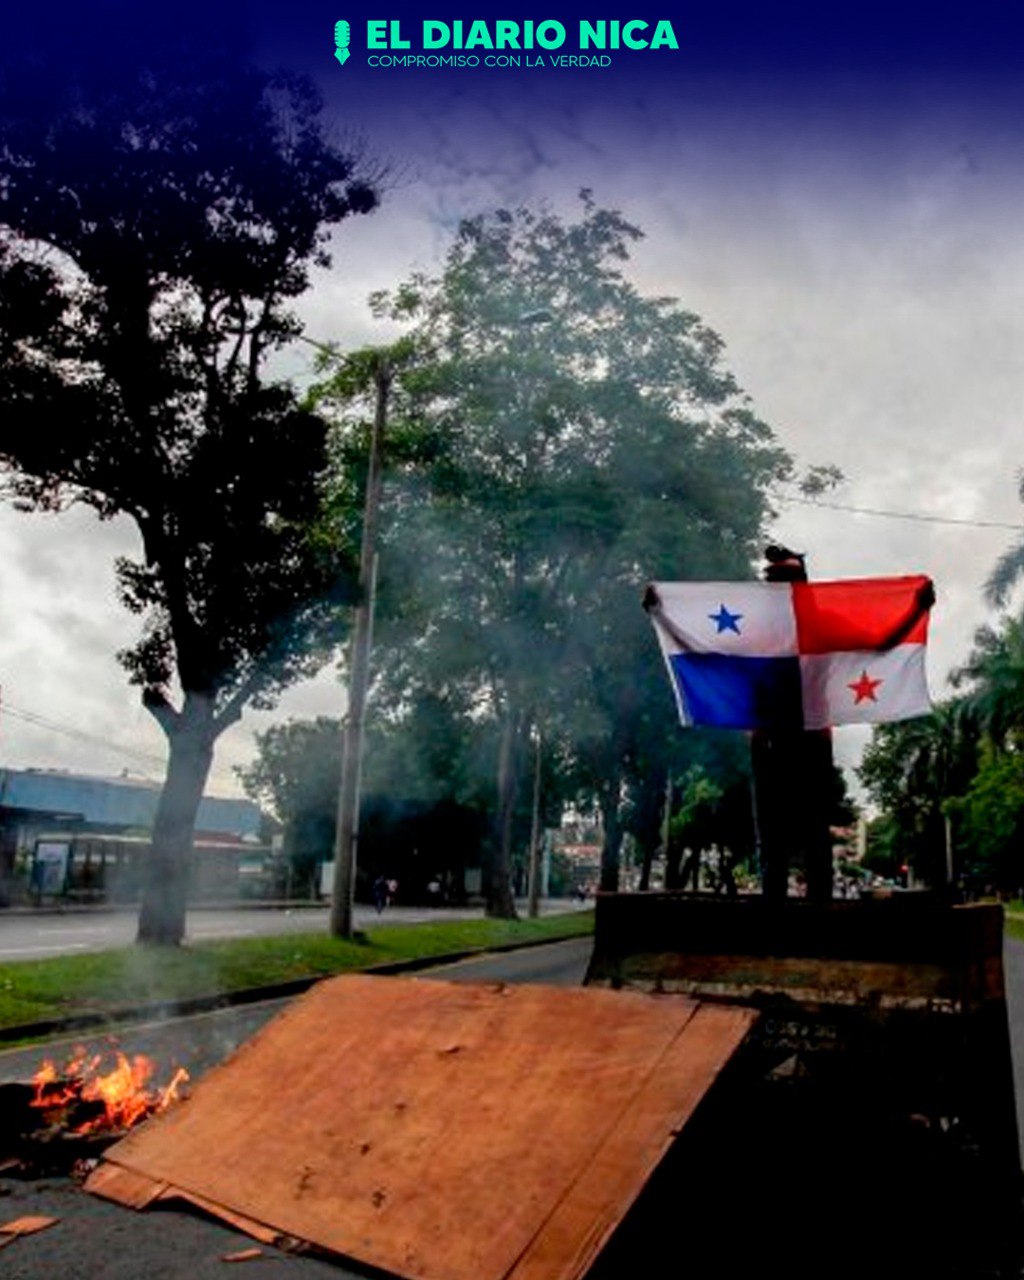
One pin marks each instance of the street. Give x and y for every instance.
(1013, 961)
(28, 935)
(105, 1242)
(201, 1041)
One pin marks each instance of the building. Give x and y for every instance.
(54, 806)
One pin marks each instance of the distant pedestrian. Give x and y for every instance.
(380, 894)
(36, 880)
(392, 891)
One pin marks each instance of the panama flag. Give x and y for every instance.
(795, 655)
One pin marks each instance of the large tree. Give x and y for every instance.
(581, 438)
(993, 682)
(912, 769)
(295, 776)
(1009, 568)
(949, 785)
(157, 218)
(988, 818)
(423, 790)
(990, 822)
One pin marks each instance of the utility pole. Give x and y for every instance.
(533, 884)
(346, 834)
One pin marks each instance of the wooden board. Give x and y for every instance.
(439, 1130)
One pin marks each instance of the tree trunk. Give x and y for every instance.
(612, 836)
(499, 901)
(165, 883)
(663, 844)
(673, 864)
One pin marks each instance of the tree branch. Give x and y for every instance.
(156, 703)
(231, 712)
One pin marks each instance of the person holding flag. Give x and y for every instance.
(787, 659)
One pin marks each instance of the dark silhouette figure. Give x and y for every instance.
(794, 775)
(380, 894)
(792, 784)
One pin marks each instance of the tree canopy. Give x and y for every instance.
(575, 439)
(424, 801)
(156, 221)
(948, 785)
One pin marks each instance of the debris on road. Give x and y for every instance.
(349, 1123)
(24, 1226)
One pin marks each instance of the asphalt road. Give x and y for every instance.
(96, 1240)
(199, 1042)
(34, 935)
(1013, 962)
(101, 1241)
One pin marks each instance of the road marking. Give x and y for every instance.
(58, 929)
(20, 951)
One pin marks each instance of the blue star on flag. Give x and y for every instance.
(726, 621)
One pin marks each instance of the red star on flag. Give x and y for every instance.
(864, 689)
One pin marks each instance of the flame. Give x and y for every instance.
(124, 1090)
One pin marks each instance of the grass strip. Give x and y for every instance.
(38, 990)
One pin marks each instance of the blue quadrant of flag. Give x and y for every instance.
(737, 692)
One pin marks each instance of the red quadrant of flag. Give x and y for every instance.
(861, 613)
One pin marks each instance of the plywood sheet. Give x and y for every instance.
(581, 1222)
(439, 1130)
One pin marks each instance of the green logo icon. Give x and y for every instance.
(342, 38)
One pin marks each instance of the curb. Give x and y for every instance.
(167, 1009)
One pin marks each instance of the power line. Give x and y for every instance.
(80, 735)
(918, 516)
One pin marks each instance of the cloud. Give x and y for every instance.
(861, 257)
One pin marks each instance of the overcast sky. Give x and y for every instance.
(852, 232)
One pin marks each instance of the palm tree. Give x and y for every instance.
(912, 768)
(995, 670)
(1009, 568)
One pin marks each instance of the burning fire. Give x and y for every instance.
(123, 1092)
